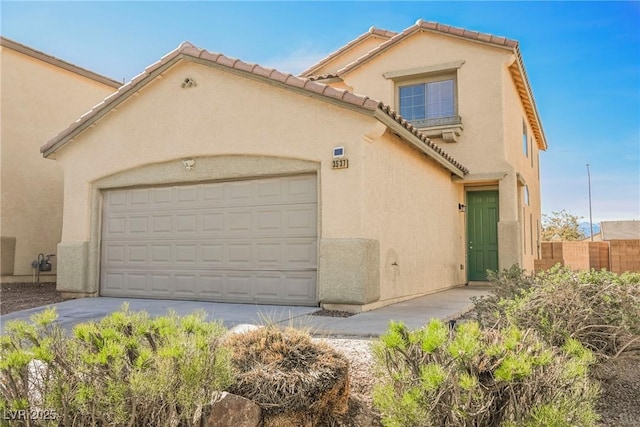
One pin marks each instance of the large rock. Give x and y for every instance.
(231, 410)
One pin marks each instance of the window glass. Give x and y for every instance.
(412, 102)
(526, 195)
(525, 147)
(429, 100)
(440, 99)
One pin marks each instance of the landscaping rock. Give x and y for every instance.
(231, 410)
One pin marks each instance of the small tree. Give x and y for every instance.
(561, 226)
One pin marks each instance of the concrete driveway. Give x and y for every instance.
(414, 313)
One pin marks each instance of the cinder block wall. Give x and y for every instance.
(625, 255)
(579, 255)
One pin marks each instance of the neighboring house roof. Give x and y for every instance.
(517, 69)
(620, 230)
(187, 51)
(36, 54)
(373, 32)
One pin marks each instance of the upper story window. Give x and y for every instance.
(525, 146)
(429, 100)
(427, 97)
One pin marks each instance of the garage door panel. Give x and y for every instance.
(243, 241)
(113, 283)
(160, 284)
(186, 254)
(211, 286)
(136, 282)
(186, 285)
(212, 254)
(137, 254)
(160, 253)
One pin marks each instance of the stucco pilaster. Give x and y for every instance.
(349, 271)
(509, 229)
(72, 268)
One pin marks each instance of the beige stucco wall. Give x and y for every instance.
(490, 144)
(235, 127)
(38, 100)
(411, 208)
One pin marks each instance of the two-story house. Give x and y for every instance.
(469, 93)
(40, 95)
(399, 165)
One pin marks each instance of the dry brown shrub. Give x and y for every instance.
(295, 380)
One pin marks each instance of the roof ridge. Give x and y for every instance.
(60, 63)
(433, 26)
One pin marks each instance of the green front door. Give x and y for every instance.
(482, 233)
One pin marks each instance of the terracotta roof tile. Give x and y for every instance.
(187, 50)
(315, 86)
(209, 56)
(244, 66)
(295, 81)
(226, 61)
(323, 76)
(262, 71)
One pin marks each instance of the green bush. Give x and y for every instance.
(599, 308)
(435, 376)
(127, 369)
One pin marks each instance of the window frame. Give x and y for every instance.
(425, 80)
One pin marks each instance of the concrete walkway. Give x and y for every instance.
(414, 313)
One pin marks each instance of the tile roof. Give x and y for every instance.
(620, 230)
(188, 51)
(517, 69)
(36, 54)
(435, 27)
(373, 32)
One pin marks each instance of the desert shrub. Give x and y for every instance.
(435, 376)
(127, 369)
(296, 381)
(599, 308)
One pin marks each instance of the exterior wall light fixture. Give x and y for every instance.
(462, 208)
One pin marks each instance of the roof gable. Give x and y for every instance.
(517, 69)
(187, 51)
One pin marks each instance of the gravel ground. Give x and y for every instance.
(619, 404)
(21, 296)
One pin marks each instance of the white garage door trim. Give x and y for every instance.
(251, 241)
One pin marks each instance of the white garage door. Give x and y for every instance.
(242, 241)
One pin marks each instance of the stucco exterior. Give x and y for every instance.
(365, 213)
(39, 96)
(390, 226)
(489, 140)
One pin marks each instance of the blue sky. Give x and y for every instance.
(582, 58)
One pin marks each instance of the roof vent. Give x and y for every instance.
(188, 82)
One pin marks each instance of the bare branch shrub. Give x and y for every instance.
(295, 380)
(598, 308)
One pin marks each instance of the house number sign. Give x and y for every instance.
(341, 163)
